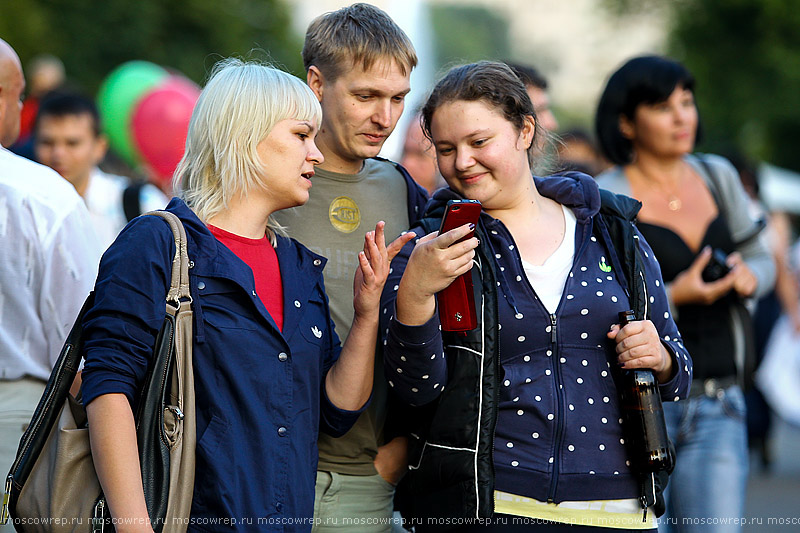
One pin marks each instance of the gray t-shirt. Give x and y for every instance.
(340, 210)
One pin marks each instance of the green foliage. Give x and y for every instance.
(464, 34)
(92, 37)
(745, 55)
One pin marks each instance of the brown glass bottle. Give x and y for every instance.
(645, 428)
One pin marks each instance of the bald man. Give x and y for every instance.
(12, 83)
(49, 254)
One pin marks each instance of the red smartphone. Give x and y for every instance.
(457, 301)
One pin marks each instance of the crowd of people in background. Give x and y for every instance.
(328, 391)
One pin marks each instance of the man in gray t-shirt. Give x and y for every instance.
(361, 82)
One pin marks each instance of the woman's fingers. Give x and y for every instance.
(701, 261)
(367, 273)
(380, 239)
(445, 240)
(716, 289)
(370, 249)
(638, 345)
(396, 245)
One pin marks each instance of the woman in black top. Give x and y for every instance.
(696, 219)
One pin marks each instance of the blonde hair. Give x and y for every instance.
(239, 106)
(360, 33)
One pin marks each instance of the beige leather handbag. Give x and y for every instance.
(52, 485)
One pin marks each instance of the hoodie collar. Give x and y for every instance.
(575, 190)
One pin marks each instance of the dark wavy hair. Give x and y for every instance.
(488, 81)
(641, 80)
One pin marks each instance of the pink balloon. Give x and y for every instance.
(160, 122)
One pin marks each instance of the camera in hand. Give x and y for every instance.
(717, 267)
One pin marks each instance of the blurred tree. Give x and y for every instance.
(464, 34)
(745, 55)
(93, 37)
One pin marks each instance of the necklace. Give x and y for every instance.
(674, 202)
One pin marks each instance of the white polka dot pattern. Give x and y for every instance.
(537, 397)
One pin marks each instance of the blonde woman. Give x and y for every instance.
(269, 368)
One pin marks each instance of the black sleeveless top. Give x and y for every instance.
(706, 329)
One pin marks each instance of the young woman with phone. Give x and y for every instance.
(519, 418)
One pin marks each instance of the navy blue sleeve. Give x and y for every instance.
(334, 421)
(414, 360)
(121, 328)
(417, 196)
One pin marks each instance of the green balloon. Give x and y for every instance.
(117, 98)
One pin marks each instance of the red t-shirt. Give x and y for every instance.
(260, 256)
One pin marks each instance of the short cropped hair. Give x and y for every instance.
(60, 104)
(491, 82)
(360, 33)
(237, 109)
(529, 75)
(641, 80)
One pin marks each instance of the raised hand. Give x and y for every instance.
(437, 260)
(688, 287)
(373, 268)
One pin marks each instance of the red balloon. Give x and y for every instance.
(160, 122)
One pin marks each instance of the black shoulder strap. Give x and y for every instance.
(130, 200)
(615, 224)
(716, 192)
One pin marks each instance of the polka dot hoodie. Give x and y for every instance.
(559, 433)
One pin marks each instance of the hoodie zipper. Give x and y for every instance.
(560, 408)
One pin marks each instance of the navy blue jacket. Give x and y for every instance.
(260, 395)
(526, 403)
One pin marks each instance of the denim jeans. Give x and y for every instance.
(706, 491)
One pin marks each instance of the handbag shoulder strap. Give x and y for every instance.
(715, 187)
(179, 284)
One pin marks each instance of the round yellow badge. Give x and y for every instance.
(344, 214)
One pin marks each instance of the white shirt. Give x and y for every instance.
(49, 254)
(104, 199)
(549, 278)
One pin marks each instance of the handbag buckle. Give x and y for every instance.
(6, 495)
(98, 521)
